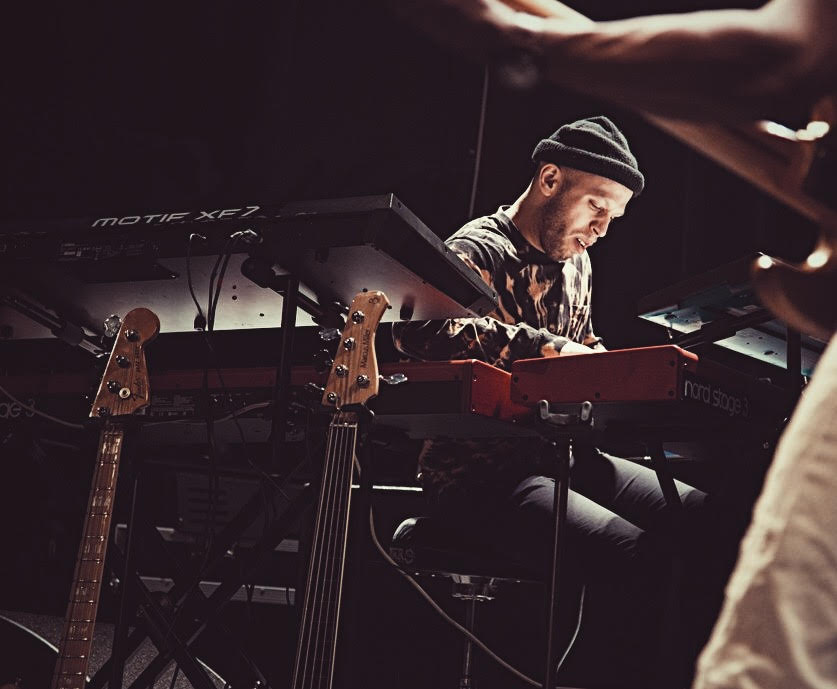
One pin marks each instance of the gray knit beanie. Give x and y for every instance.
(593, 145)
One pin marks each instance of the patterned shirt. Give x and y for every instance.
(543, 304)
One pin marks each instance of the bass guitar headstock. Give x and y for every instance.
(124, 388)
(354, 376)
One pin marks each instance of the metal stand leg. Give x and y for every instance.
(559, 508)
(667, 485)
(465, 680)
(670, 666)
(560, 430)
(173, 637)
(281, 391)
(793, 361)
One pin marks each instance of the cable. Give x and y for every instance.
(213, 306)
(470, 635)
(447, 618)
(28, 408)
(204, 324)
(480, 142)
(233, 414)
(221, 261)
(570, 645)
(200, 319)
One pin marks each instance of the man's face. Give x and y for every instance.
(579, 212)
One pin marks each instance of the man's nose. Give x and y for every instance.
(600, 226)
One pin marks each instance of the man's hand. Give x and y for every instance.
(575, 348)
(568, 349)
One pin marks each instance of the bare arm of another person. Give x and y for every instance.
(723, 64)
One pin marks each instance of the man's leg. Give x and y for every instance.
(633, 492)
(606, 553)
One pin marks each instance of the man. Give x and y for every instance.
(777, 628)
(534, 253)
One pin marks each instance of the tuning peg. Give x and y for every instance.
(329, 334)
(393, 379)
(314, 390)
(323, 361)
(111, 325)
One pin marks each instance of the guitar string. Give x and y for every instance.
(316, 578)
(317, 561)
(327, 553)
(334, 561)
(304, 642)
(325, 546)
(341, 536)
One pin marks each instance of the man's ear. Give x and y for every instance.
(550, 178)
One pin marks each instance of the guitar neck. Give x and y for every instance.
(74, 653)
(317, 644)
(352, 382)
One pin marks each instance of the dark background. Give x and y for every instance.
(129, 108)
(148, 108)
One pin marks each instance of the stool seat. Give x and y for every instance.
(426, 545)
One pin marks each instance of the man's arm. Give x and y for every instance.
(487, 339)
(727, 64)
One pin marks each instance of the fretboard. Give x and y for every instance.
(74, 651)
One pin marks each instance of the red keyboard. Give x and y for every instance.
(650, 387)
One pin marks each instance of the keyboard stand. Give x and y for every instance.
(561, 430)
